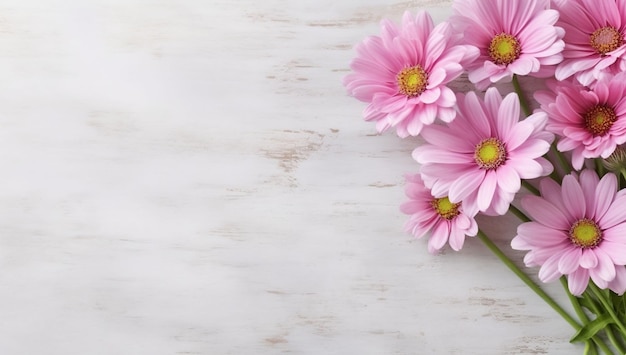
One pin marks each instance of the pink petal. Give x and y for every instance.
(539, 235)
(474, 109)
(462, 221)
(508, 179)
(413, 127)
(573, 196)
(500, 203)
(519, 243)
(589, 260)
(605, 268)
(523, 66)
(439, 235)
(577, 281)
(615, 233)
(618, 285)
(457, 238)
(430, 96)
(570, 261)
(442, 137)
(551, 191)
(527, 168)
(605, 192)
(436, 77)
(616, 250)
(549, 270)
(545, 213)
(427, 154)
(589, 180)
(447, 99)
(446, 114)
(487, 190)
(614, 215)
(465, 185)
(508, 116)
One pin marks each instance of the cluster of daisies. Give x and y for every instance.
(482, 148)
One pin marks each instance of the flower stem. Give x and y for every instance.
(527, 280)
(608, 307)
(583, 317)
(591, 302)
(623, 172)
(616, 343)
(575, 302)
(600, 167)
(517, 212)
(564, 163)
(533, 190)
(521, 96)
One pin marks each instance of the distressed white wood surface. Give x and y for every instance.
(189, 177)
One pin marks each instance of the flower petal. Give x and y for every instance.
(545, 213)
(573, 196)
(570, 261)
(577, 281)
(487, 190)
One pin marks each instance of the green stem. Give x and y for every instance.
(623, 172)
(517, 212)
(533, 190)
(533, 286)
(608, 307)
(583, 317)
(521, 96)
(600, 167)
(561, 158)
(616, 342)
(527, 280)
(575, 302)
(609, 332)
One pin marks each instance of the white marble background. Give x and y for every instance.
(189, 177)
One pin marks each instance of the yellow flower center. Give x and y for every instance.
(599, 120)
(585, 233)
(504, 49)
(606, 39)
(445, 208)
(490, 153)
(412, 81)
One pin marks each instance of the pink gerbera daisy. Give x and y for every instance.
(594, 38)
(513, 36)
(481, 156)
(403, 74)
(444, 220)
(578, 230)
(591, 123)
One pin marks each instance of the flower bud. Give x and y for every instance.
(616, 161)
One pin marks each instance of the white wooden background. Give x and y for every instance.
(189, 177)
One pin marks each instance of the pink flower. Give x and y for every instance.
(578, 230)
(591, 123)
(446, 221)
(481, 157)
(594, 39)
(513, 36)
(403, 74)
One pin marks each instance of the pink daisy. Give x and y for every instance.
(444, 220)
(591, 123)
(481, 157)
(594, 38)
(403, 74)
(578, 230)
(513, 36)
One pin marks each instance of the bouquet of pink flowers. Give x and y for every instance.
(564, 159)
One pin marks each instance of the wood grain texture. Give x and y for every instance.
(189, 177)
